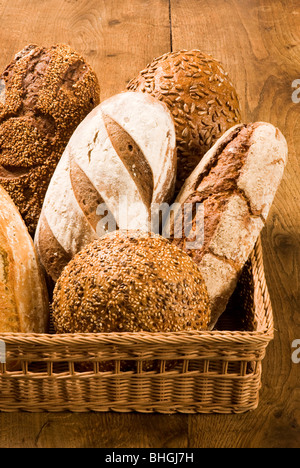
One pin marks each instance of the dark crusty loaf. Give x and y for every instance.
(44, 94)
(121, 157)
(201, 97)
(235, 182)
(130, 281)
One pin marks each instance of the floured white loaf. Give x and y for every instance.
(121, 157)
(24, 306)
(235, 185)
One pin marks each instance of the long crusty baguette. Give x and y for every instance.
(23, 294)
(122, 156)
(234, 185)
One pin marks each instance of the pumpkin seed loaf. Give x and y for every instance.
(201, 97)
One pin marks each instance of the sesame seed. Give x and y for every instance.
(146, 288)
(48, 93)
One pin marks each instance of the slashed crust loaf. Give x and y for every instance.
(130, 281)
(122, 157)
(44, 95)
(201, 97)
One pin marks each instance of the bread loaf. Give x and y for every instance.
(235, 183)
(129, 282)
(201, 97)
(44, 95)
(121, 157)
(24, 302)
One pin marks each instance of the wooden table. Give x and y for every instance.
(258, 42)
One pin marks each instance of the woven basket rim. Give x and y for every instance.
(176, 336)
(260, 336)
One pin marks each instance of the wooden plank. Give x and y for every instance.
(117, 38)
(89, 430)
(259, 44)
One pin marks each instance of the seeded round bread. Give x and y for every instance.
(44, 95)
(201, 97)
(130, 282)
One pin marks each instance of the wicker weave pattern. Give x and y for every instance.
(188, 372)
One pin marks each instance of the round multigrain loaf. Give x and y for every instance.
(130, 281)
(201, 97)
(44, 95)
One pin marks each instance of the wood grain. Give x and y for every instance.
(66, 430)
(117, 37)
(258, 42)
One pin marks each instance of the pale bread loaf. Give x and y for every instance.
(24, 300)
(123, 152)
(236, 182)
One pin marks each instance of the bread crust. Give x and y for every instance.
(45, 93)
(130, 281)
(236, 182)
(201, 97)
(123, 157)
(24, 301)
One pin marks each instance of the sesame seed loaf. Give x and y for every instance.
(201, 97)
(122, 156)
(24, 302)
(44, 95)
(236, 183)
(130, 281)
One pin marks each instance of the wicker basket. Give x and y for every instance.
(187, 372)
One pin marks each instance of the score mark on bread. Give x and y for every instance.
(132, 157)
(87, 196)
